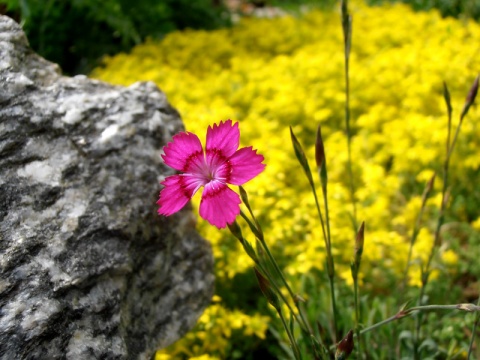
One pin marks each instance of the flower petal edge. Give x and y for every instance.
(219, 205)
(245, 165)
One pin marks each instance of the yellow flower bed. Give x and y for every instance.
(276, 73)
(214, 332)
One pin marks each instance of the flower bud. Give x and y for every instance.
(319, 148)
(472, 94)
(267, 290)
(345, 347)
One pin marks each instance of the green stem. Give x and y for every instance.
(319, 211)
(334, 307)
(357, 314)
(327, 218)
(347, 33)
(436, 242)
(272, 260)
(330, 264)
(303, 323)
(296, 351)
(416, 230)
(271, 279)
(349, 143)
(407, 312)
(474, 329)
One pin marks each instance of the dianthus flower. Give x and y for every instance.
(220, 164)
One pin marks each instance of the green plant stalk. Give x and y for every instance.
(272, 281)
(407, 312)
(302, 159)
(272, 298)
(434, 249)
(474, 329)
(284, 281)
(328, 243)
(310, 332)
(446, 95)
(300, 154)
(349, 144)
(320, 159)
(327, 240)
(327, 217)
(277, 290)
(426, 270)
(436, 241)
(416, 231)
(355, 268)
(330, 266)
(330, 262)
(244, 197)
(347, 34)
(324, 349)
(295, 348)
(449, 147)
(303, 322)
(251, 225)
(357, 314)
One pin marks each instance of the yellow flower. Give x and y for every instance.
(449, 257)
(270, 80)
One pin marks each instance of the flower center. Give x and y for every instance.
(216, 167)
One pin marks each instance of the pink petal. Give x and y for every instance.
(220, 205)
(224, 138)
(246, 164)
(176, 193)
(184, 152)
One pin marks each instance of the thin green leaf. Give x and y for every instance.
(267, 290)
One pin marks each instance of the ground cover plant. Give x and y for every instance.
(76, 33)
(269, 80)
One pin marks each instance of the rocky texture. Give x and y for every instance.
(88, 269)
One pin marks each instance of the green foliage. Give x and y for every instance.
(76, 33)
(292, 4)
(454, 8)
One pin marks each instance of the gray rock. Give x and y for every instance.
(88, 269)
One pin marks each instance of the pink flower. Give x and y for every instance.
(220, 164)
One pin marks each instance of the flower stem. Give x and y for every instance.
(437, 240)
(302, 321)
(416, 230)
(300, 154)
(265, 270)
(357, 315)
(474, 329)
(320, 159)
(347, 35)
(355, 268)
(296, 351)
(407, 312)
(330, 262)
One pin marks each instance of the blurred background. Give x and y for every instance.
(76, 33)
(272, 64)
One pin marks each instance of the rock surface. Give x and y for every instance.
(88, 269)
